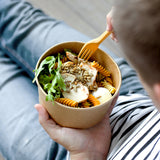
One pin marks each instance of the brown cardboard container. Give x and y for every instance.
(79, 117)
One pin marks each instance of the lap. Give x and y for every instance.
(21, 136)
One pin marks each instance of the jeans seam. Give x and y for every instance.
(15, 56)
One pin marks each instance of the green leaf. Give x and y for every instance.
(67, 50)
(59, 62)
(49, 96)
(50, 78)
(60, 81)
(48, 60)
(44, 79)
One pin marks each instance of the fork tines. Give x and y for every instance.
(85, 54)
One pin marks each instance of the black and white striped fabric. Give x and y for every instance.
(135, 126)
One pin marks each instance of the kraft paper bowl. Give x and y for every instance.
(79, 117)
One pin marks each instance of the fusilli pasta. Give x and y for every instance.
(93, 100)
(101, 69)
(67, 102)
(109, 87)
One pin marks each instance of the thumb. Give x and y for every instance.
(43, 115)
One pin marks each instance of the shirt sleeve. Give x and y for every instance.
(68, 156)
(135, 128)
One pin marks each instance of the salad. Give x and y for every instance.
(74, 82)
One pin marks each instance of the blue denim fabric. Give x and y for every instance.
(25, 33)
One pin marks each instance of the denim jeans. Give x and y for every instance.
(25, 33)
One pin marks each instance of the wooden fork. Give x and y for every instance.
(90, 47)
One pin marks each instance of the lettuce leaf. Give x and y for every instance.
(50, 78)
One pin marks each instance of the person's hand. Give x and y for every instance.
(110, 25)
(92, 143)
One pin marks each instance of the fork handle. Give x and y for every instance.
(103, 36)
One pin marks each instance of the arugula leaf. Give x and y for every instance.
(44, 79)
(67, 50)
(50, 78)
(59, 62)
(50, 87)
(60, 81)
(48, 60)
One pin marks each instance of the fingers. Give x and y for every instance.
(109, 21)
(43, 115)
(113, 37)
(110, 25)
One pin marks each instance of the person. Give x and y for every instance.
(132, 129)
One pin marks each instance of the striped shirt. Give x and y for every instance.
(135, 124)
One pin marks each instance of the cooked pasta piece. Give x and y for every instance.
(86, 104)
(100, 68)
(93, 100)
(109, 80)
(67, 102)
(100, 77)
(109, 87)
